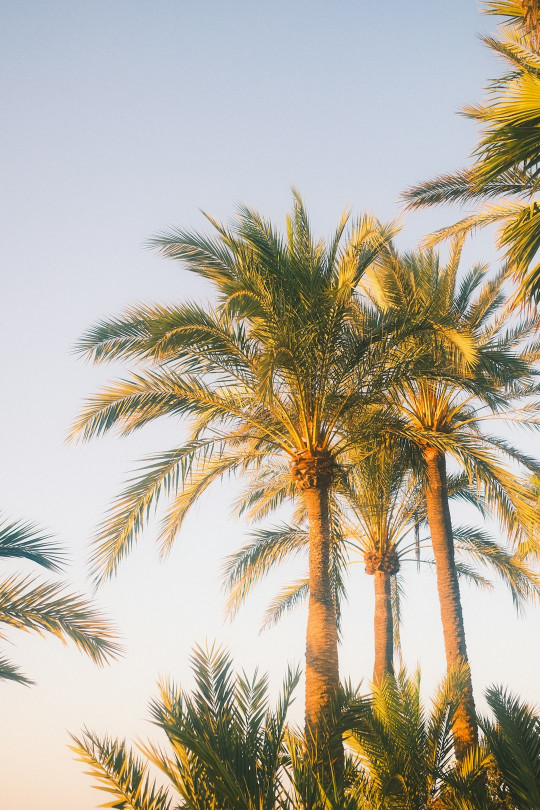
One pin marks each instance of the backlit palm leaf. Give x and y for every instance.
(119, 773)
(26, 604)
(24, 541)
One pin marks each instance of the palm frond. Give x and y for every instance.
(10, 672)
(24, 541)
(515, 743)
(26, 604)
(119, 773)
(255, 560)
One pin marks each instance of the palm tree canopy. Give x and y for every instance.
(507, 159)
(273, 371)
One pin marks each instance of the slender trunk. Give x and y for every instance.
(464, 727)
(384, 627)
(322, 667)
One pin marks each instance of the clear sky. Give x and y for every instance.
(120, 119)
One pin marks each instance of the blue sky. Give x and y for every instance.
(121, 119)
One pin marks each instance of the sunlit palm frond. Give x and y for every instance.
(507, 156)
(26, 604)
(161, 474)
(286, 600)
(119, 773)
(520, 579)
(253, 561)
(227, 745)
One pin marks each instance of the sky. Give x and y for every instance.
(121, 120)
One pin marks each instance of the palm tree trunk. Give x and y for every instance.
(464, 727)
(322, 666)
(384, 627)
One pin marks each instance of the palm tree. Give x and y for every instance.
(27, 604)
(440, 419)
(374, 509)
(227, 748)
(506, 160)
(274, 371)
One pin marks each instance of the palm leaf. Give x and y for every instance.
(24, 541)
(119, 773)
(42, 608)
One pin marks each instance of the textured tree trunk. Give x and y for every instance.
(322, 667)
(384, 627)
(464, 728)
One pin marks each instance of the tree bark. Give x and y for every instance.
(464, 727)
(322, 666)
(384, 627)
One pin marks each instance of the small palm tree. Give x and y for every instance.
(506, 160)
(27, 604)
(226, 747)
(406, 751)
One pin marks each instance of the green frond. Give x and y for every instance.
(25, 541)
(520, 579)
(406, 750)
(506, 159)
(514, 741)
(227, 745)
(26, 604)
(162, 474)
(10, 672)
(285, 601)
(119, 773)
(243, 569)
(193, 485)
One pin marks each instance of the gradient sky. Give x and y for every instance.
(121, 119)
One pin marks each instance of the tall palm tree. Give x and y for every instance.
(47, 607)
(441, 419)
(273, 372)
(505, 166)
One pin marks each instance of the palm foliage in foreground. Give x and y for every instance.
(226, 750)
(406, 751)
(514, 741)
(34, 606)
(226, 746)
(507, 159)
